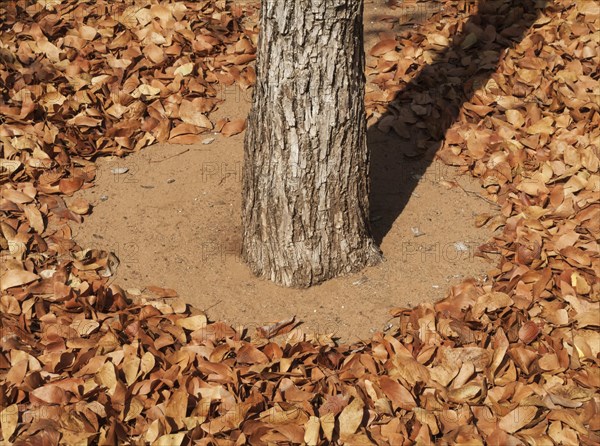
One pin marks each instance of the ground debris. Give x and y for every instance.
(83, 361)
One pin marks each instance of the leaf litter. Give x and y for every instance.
(83, 361)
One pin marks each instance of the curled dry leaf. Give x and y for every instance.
(528, 332)
(279, 328)
(80, 206)
(233, 127)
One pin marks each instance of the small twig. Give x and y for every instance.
(169, 157)
(475, 194)
(225, 177)
(212, 306)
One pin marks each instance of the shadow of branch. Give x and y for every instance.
(405, 140)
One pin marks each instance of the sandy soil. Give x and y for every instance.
(173, 220)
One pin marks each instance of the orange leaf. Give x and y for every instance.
(384, 46)
(397, 393)
(234, 127)
(16, 277)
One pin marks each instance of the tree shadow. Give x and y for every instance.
(401, 18)
(404, 141)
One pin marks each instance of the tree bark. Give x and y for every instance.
(305, 211)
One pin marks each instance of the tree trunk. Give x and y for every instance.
(305, 211)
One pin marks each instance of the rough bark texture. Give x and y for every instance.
(305, 185)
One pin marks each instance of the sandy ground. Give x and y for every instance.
(173, 220)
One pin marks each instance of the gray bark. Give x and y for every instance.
(305, 214)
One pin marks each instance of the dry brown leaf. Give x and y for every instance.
(233, 127)
(190, 114)
(382, 47)
(86, 80)
(311, 431)
(351, 417)
(170, 439)
(9, 420)
(49, 394)
(279, 328)
(517, 419)
(249, 354)
(68, 186)
(16, 277)
(397, 393)
(80, 206)
(528, 332)
(193, 323)
(162, 292)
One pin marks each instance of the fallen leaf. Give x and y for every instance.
(9, 420)
(517, 419)
(397, 393)
(16, 277)
(233, 127)
(351, 418)
(193, 323)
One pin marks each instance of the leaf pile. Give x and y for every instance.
(108, 77)
(513, 362)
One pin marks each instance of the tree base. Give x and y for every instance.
(305, 179)
(300, 273)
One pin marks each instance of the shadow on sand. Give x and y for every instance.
(398, 159)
